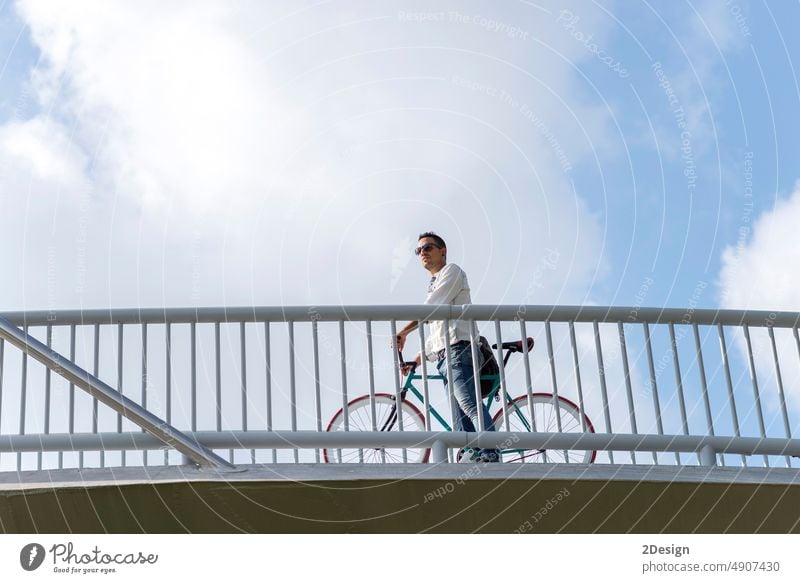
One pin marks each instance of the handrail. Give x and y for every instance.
(165, 432)
(631, 315)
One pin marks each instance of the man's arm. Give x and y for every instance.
(407, 329)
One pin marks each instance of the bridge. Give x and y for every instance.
(267, 419)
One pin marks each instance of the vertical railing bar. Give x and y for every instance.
(95, 402)
(217, 377)
(729, 382)
(425, 385)
(779, 380)
(371, 378)
(49, 341)
(527, 365)
(754, 381)
(551, 357)
(243, 366)
(476, 376)
(679, 383)
(703, 383)
(317, 385)
(2, 369)
(268, 361)
(678, 379)
(653, 385)
(71, 423)
(119, 384)
(603, 387)
(168, 379)
(144, 378)
(628, 388)
(451, 396)
(371, 381)
(23, 399)
(577, 367)
(343, 371)
(503, 384)
(193, 374)
(293, 385)
(396, 374)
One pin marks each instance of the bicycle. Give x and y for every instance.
(567, 417)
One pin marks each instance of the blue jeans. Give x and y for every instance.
(464, 389)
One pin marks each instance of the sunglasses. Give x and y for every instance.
(426, 247)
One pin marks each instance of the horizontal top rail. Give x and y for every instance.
(634, 314)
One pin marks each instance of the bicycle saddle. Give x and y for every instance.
(515, 346)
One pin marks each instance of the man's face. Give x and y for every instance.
(431, 256)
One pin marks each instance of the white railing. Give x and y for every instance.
(232, 386)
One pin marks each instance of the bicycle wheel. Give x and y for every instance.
(545, 417)
(359, 418)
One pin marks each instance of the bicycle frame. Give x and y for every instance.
(408, 386)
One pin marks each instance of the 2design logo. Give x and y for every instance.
(31, 556)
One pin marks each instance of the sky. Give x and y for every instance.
(290, 152)
(249, 153)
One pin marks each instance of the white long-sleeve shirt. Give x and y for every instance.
(448, 286)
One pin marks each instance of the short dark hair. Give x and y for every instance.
(435, 237)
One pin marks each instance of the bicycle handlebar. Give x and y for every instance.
(411, 363)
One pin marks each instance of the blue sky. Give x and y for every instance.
(260, 150)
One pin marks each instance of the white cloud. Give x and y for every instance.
(759, 273)
(246, 155)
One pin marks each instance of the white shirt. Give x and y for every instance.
(448, 286)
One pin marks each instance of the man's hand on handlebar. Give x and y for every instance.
(406, 368)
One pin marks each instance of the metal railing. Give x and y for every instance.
(227, 386)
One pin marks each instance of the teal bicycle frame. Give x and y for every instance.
(494, 394)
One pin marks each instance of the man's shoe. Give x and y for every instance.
(489, 456)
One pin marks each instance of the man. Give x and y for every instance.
(449, 285)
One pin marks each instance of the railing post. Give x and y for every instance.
(439, 452)
(707, 455)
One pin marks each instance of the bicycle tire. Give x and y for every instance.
(359, 416)
(545, 421)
